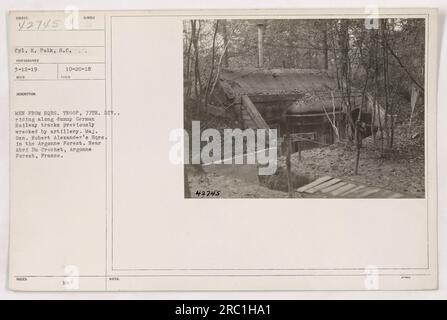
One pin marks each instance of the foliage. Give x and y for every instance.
(385, 63)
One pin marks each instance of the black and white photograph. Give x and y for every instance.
(304, 108)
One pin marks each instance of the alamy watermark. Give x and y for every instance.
(228, 146)
(372, 277)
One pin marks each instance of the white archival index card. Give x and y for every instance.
(223, 150)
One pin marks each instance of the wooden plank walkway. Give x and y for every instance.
(337, 188)
(313, 184)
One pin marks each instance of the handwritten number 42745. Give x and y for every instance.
(207, 193)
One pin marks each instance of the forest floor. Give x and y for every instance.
(230, 187)
(401, 169)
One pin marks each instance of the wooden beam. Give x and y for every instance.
(323, 185)
(217, 111)
(314, 183)
(274, 98)
(254, 113)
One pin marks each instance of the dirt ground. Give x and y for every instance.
(401, 169)
(229, 187)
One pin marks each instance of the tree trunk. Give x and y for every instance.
(210, 77)
(197, 80)
(225, 41)
(186, 184)
(325, 47)
(288, 144)
(385, 81)
(289, 165)
(188, 56)
(376, 84)
(345, 65)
